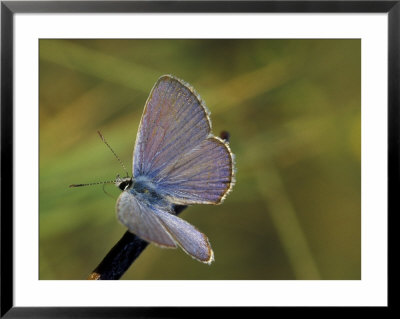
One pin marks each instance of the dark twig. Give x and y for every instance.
(126, 250)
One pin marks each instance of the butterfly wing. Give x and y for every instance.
(162, 228)
(173, 122)
(203, 175)
(141, 220)
(190, 239)
(175, 149)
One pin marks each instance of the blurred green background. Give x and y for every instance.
(293, 109)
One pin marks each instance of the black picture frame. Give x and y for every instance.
(9, 8)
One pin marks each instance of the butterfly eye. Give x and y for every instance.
(124, 185)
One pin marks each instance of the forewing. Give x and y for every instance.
(191, 240)
(174, 121)
(204, 175)
(141, 220)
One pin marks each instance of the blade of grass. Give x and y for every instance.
(287, 223)
(95, 63)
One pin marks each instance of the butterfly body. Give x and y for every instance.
(176, 161)
(146, 192)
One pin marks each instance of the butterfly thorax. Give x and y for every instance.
(143, 189)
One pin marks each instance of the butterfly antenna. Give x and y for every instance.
(116, 156)
(90, 184)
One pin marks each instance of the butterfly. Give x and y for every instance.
(176, 161)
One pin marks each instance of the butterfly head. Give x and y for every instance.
(123, 183)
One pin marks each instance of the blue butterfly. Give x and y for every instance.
(176, 161)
